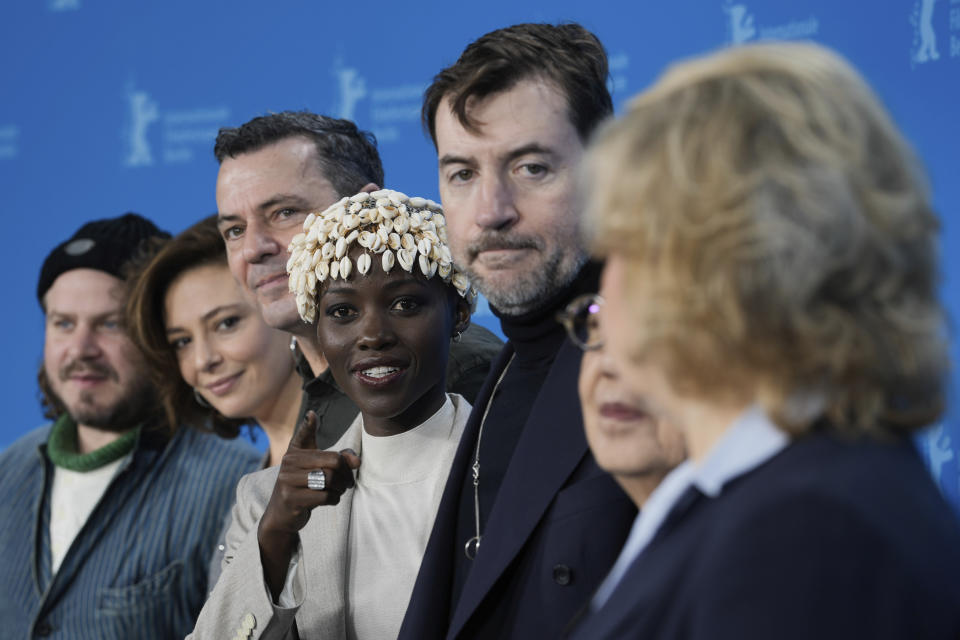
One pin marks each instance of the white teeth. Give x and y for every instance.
(379, 372)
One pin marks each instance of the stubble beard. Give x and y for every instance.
(525, 290)
(124, 413)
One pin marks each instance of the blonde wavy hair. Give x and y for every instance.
(778, 237)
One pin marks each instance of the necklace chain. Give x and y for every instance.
(473, 544)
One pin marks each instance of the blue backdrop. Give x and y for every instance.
(111, 106)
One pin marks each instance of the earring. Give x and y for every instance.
(293, 349)
(457, 336)
(201, 400)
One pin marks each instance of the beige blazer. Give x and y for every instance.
(240, 605)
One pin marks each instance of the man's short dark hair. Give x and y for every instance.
(347, 155)
(568, 56)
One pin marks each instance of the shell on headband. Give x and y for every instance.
(398, 231)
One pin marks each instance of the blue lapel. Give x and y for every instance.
(123, 487)
(550, 448)
(41, 523)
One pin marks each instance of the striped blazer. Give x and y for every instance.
(138, 567)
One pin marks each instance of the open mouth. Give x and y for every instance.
(379, 375)
(379, 372)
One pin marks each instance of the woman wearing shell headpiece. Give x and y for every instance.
(331, 542)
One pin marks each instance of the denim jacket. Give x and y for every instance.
(138, 567)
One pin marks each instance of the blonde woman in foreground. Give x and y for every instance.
(771, 290)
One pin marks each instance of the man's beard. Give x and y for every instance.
(527, 290)
(122, 414)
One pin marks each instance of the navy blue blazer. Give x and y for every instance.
(554, 531)
(828, 539)
(138, 567)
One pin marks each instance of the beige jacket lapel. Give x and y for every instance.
(324, 543)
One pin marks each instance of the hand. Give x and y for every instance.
(292, 501)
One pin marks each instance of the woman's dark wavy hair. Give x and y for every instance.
(199, 245)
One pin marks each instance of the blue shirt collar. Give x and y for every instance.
(750, 441)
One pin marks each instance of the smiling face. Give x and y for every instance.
(224, 349)
(510, 193)
(386, 338)
(91, 364)
(263, 197)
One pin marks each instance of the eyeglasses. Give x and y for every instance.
(582, 321)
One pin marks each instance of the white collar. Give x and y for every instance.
(408, 456)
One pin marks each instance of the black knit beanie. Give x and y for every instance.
(104, 245)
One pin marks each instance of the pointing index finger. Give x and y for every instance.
(305, 435)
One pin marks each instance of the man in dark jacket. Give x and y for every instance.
(274, 170)
(109, 518)
(529, 524)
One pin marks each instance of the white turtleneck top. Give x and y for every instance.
(395, 501)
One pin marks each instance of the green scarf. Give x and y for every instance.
(62, 447)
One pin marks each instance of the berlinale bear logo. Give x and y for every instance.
(924, 37)
(143, 112)
(352, 87)
(741, 24)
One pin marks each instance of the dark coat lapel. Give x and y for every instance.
(429, 609)
(551, 446)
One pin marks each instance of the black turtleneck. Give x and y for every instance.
(536, 338)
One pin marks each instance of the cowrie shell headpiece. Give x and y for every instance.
(410, 233)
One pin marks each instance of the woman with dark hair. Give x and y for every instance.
(327, 546)
(215, 362)
(771, 291)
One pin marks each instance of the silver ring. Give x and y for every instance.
(317, 480)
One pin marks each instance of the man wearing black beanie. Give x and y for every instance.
(110, 516)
